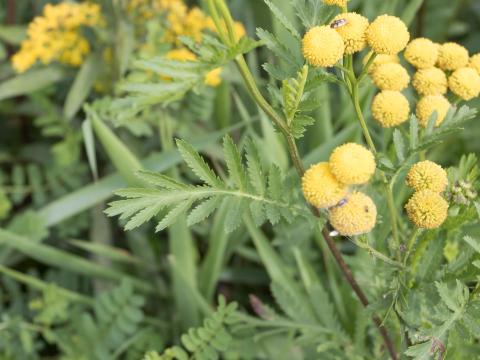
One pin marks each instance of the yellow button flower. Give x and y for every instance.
(452, 56)
(181, 54)
(432, 81)
(320, 188)
(427, 209)
(387, 35)
(475, 62)
(422, 53)
(352, 28)
(379, 60)
(322, 46)
(355, 215)
(390, 76)
(426, 175)
(427, 105)
(352, 164)
(465, 83)
(390, 108)
(339, 3)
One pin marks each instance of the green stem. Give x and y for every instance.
(410, 244)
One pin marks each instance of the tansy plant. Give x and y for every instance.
(383, 196)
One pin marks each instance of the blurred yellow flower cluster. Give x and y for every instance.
(427, 208)
(57, 36)
(326, 186)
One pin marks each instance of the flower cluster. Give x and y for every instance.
(427, 208)
(326, 186)
(57, 36)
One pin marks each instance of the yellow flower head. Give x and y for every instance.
(355, 215)
(427, 209)
(475, 62)
(57, 36)
(339, 3)
(421, 53)
(321, 188)
(426, 175)
(322, 46)
(432, 81)
(352, 28)
(379, 60)
(390, 76)
(181, 54)
(465, 83)
(452, 56)
(352, 164)
(390, 108)
(427, 105)
(387, 35)
(214, 77)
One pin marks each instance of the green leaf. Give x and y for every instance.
(283, 19)
(173, 215)
(399, 145)
(30, 81)
(254, 168)
(198, 165)
(82, 85)
(234, 163)
(203, 211)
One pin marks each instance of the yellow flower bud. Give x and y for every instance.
(426, 175)
(390, 108)
(427, 209)
(387, 35)
(422, 53)
(322, 46)
(352, 164)
(427, 105)
(355, 215)
(352, 31)
(465, 83)
(321, 188)
(432, 81)
(339, 3)
(475, 62)
(452, 56)
(182, 54)
(390, 76)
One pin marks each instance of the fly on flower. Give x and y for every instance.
(338, 23)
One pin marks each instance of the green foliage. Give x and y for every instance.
(259, 194)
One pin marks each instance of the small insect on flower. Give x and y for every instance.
(338, 23)
(342, 202)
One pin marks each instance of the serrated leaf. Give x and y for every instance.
(254, 168)
(198, 165)
(173, 215)
(283, 19)
(234, 163)
(399, 145)
(160, 180)
(234, 213)
(203, 211)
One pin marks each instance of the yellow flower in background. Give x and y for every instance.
(422, 53)
(452, 56)
(427, 105)
(432, 81)
(214, 78)
(181, 54)
(320, 188)
(379, 60)
(475, 62)
(352, 28)
(322, 46)
(339, 3)
(426, 175)
(355, 215)
(387, 35)
(352, 164)
(390, 76)
(56, 36)
(390, 108)
(427, 209)
(465, 83)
